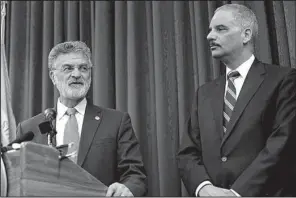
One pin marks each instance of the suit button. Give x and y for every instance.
(224, 159)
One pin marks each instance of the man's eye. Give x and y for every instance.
(83, 68)
(221, 28)
(67, 69)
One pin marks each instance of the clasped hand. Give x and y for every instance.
(117, 189)
(211, 190)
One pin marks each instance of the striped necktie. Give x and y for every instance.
(229, 99)
(71, 133)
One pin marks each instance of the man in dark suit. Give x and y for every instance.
(240, 137)
(103, 138)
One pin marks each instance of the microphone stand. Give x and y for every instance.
(50, 135)
(49, 139)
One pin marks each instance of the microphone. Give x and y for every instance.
(50, 114)
(47, 127)
(25, 137)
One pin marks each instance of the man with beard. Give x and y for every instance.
(103, 138)
(239, 139)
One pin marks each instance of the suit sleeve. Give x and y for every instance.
(278, 155)
(130, 165)
(189, 156)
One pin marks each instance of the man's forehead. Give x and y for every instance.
(222, 17)
(72, 57)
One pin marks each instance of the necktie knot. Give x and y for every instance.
(71, 111)
(233, 74)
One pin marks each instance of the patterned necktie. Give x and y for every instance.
(71, 133)
(229, 99)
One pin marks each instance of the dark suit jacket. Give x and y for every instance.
(257, 154)
(108, 149)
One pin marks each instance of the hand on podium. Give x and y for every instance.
(117, 189)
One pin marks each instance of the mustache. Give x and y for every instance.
(213, 44)
(76, 81)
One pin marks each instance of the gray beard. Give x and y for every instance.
(73, 93)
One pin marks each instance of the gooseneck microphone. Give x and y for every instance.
(25, 137)
(47, 127)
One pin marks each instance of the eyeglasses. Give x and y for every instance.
(69, 68)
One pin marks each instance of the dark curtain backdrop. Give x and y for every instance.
(149, 58)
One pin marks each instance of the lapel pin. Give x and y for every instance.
(97, 117)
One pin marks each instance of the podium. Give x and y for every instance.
(36, 170)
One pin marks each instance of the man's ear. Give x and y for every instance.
(51, 75)
(247, 35)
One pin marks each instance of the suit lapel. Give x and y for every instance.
(250, 86)
(217, 98)
(91, 122)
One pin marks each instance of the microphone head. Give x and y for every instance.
(25, 137)
(45, 127)
(50, 114)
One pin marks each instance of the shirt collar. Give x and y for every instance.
(61, 108)
(244, 68)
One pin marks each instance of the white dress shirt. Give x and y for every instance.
(243, 69)
(62, 119)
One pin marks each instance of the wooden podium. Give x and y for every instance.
(36, 170)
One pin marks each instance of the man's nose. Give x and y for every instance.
(76, 73)
(211, 36)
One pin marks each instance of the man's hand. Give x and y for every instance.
(228, 193)
(211, 190)
(116, 189)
